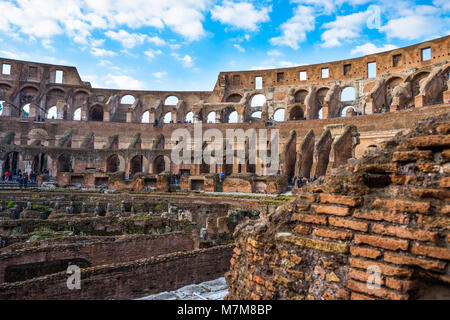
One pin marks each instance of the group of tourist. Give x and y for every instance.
(22, 179)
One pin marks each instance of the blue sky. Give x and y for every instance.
(184, 44)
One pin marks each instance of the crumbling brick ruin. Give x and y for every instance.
(385, 213)
(109, 198)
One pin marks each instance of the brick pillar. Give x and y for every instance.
(419, 101)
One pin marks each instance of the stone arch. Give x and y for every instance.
(415, 82)
(80, 98)
(27, 95)
(77, 114)
(145, 118)
(4, 88)
(161, 164)
(300, 96)
(167, 117)
(127, 99)
(320, 99)
(38, 135)
(348, 94)
(234, 97)
(40, 163)
(296, 113)
(112, 163)
(227, 115)
(53, 96)
(348, 111)
(95, 113)
(25, 112)
(171, 100)
(257, 100)
(11, 163)
(211, 118)
(290, 156)
(391, 83)
(279, 114)
(64, 163)
(256, 115)
(52, 113)
(307, 154)
(322, 153)
(189, 117)
(137, 164)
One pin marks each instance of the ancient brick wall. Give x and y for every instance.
(110, 250)
(384, 216)
(128, 280)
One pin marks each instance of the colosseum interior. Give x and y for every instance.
(371, 149)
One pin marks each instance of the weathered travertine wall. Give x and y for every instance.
(127, 280)
(110, 250)
(385, 213)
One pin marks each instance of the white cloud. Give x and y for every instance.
(79, 18)
(241, 15)
(11, 55)
(151, 54)
(370, 48)
(128, 40)
(47, 44)
(121, 81)
(159, 74)
(412, 27)
(239, 48)
(274, 53)
(344, 28)
(99, 52)
(156, 41)
(187, 60)
(294, 30)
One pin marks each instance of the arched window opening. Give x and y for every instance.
(136, 164)
(320, 114)
(234, 98)
(171, 101)
(348, 111)
(1, 107)
(145, 117)
(128, 99)
(189, 117)
(296, 113)
(26, 111)
(52, 113)
(77, 115)
(96, 113)
(168, 117)
(113, 164)
(159, 165)
(211, 117)
(258, 101)
(348, 94)
(257, 114)
(279, 115)
(233, 117)
(64, 163)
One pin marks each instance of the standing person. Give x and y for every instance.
(20, 180)
(222, 177)
(25, 180)
(7, 175)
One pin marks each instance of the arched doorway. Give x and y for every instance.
(12, 163)
(136, 164)
(64, 163)
(296, 113)
(96, 113)
(40, 163)
(112, 164)
(159, 165)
